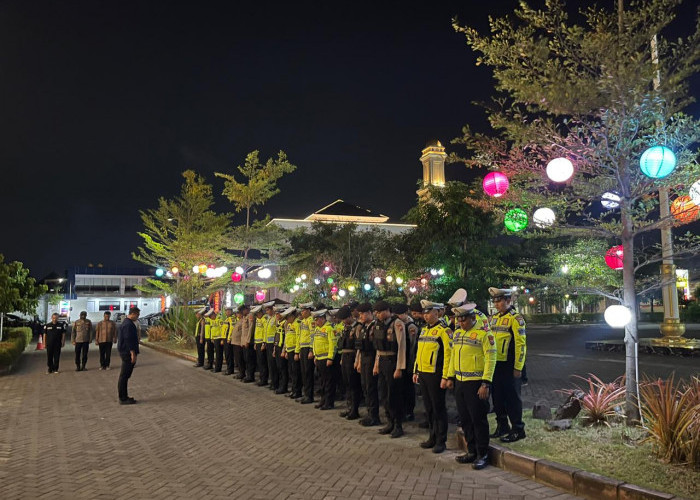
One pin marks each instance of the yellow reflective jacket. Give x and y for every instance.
(279, 335)
(324, 342)
(509, 330)
(434, 350)
(217, 332)
(305, 333)
(229, 323)
(291, 336)
(473, 355)
(207, 327)
(260, 326)
(270, 329)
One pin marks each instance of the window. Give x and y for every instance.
(129, 304)
(109, 305)
(91, 306)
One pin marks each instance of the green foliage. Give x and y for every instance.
(672, 414)
(158, 333)
(15, 342)
(601, 401)
(18, 291)
(180, 321)
(457, 237)
(183, 232)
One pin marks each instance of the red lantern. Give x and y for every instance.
(334, 289)
(613, 257)
(236, 277)
(260, 295)
(495, 184)
(684, 209)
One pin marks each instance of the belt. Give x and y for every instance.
(386, 353)
(347, 351)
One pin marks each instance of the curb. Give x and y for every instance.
(570, 479)
(165, 350)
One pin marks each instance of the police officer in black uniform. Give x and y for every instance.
(346, 346)
(364, 363)
(55, 338)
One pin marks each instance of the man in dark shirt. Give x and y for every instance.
(55, 338)
(128, 347)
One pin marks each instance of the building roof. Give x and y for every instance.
(342, 211)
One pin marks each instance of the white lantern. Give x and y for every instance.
(210, 272)
(264, 273)
(560, 169)
(389, 279)
(303, 276)
(341, 293)
(239, 270)
(543, 217)
(317, 281)
(694, 192)
(377, 280)
(195, 269)
(399, 280)
(610, 200)
(618, 316)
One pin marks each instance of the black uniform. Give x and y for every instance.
(54, 338)
(198, 336)
(353, 383)
(364, 343)
(412, 332)
(386, 343)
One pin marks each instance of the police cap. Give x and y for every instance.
(399, 308)
(381, 305)
(364, 307)
(343, 313)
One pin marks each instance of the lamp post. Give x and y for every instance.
(671, 328)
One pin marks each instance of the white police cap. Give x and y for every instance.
(428, 305)
(319, 313)
(288, 311)
(458, 298)
(464, 309)
(255, 309)
(499, 292)
(307, 305)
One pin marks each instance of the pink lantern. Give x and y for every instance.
(334, 289)
(236, 277)
(613, 257)
(260, 295)
(495, 184)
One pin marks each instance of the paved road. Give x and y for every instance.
(195, 434)
(557, 352)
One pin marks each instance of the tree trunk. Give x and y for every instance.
(631, 334)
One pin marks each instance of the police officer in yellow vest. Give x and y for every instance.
(470, 372)
(508, 327)
(324, 347)
(292, 325)
(304, 354)
(227, 330)
(459, 298)
(260, 346)
(218, 338)
(270, 334)
(208, 322)
(280, 360)
(430, 370)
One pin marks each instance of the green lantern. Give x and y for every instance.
(515, 220)
(238, 298)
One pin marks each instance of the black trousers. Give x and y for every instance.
(473, 416)
(506, 397)
(434, 400)
(270, 348)
(210, 352)
(393, 400)
(307, 372)
(124, 376)
(369, 383)
(228, 354)
(294, 373)
(200, 350)
(328, 381)
(409, 389)
(250, 361)
(81, 352)
(262, 362)
(282, 369)
(239, 359)
(353, 383)
(53, 352)
(105, 353)
(218, 354)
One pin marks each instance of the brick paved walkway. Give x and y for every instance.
(195, 434)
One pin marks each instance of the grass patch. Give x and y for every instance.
(174, 346)
(613, 451)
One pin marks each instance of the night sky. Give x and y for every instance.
(104, 104)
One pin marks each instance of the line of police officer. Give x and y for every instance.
(377, 353)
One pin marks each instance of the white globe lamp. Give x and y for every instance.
(560, 169)
(617, 316)
(543, 217)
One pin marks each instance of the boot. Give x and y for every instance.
(397, 432)
(387, 429)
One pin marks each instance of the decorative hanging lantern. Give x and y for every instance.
(195, 269)
(515, 220)
(238, 298)
(560, 169)
(260, 295)
(329, 281)
(264, 273)
(160, 272)
(303, 276)
(202, 268)
(351, 288)
(239, 270)
(614, 256)
(610, 200)
(367, 287)
(617, 316)
(236, 277)
(543, 217)
(334, 289)
(399, 280)
(495, 184)
(695, 192)
(657, 162)
(377, 280)
(389, 279)
(684, 210)
(175, 270)
(341, 293)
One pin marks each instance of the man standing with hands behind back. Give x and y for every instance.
(128, 347)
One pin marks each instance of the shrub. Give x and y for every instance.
(600, 401)
(158, 333)
(19, 332)
(11, 350)
(181, 321)
(672, 413)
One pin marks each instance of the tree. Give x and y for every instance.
(453, 235)
(18, 291)
(586, 91)
(183, 232)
